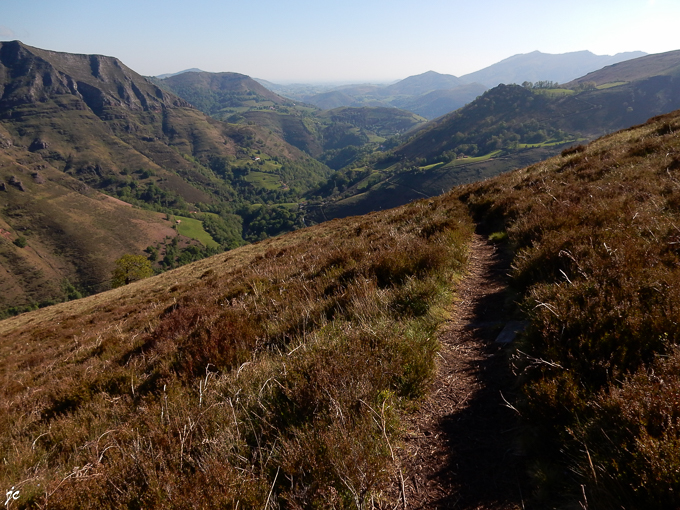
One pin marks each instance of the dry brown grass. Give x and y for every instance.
(596, 233)
(272, 375)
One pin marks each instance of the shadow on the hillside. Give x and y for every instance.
(484, 464)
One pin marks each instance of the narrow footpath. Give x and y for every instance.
(460, 450)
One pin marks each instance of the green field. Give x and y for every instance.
(264, 180)
(369, 181)
(555, 92)
(610, 85)
(465, 161)
(193, 228)
(432, 166)
(549, 143)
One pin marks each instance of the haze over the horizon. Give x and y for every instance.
(305, 41)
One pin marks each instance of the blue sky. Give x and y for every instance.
(352, 40)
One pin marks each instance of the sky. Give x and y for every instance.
(356, 41)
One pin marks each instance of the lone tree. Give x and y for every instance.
(130, 268)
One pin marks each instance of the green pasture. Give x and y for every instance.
(369, 181)
(433, 166)
(610, 85)
(555, 92)
(193, 228)
(373, 138)
(465, 161)
(264, 180)
(549, 143)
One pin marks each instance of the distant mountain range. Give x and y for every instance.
(413, 94)
(432, 94)
(537, 66)
(237, 98)
(511, 126)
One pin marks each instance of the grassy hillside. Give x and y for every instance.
(72, 233)
(237, 98)
(215, 93)
(660, 64)
(269, 373)
(364, 190)
(86, 124)
(525, 123)
(276, 372)
(422, 84)
(594, 234)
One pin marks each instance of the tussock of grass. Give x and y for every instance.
(595, 233)
(276, 372)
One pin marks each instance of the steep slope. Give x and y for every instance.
(537, 66)
(72, 233)
(507, 127)
(661, 64)
(275, 373)
(103, 127)
(596, 268)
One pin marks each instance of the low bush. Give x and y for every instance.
(280, 377)
(595, 235)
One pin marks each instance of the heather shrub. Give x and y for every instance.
(274, 375)
(597, 266)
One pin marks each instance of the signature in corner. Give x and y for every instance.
(11, 495)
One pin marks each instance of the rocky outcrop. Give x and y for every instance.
(38, 144)
(29, 75)
(16, 183)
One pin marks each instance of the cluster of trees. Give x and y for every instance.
(175, 256)
(260, 222)
(542, 84)
(341, 180)
(226, 229)
(340, 158)
(585, 86)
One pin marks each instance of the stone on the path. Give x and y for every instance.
(510, 331)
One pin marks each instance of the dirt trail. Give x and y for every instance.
(460, 450)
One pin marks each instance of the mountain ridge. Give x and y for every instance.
(538, 66)
(88, 124)
(667, 64)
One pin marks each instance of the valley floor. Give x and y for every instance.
(460, 450)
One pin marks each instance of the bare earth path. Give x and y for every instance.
(460, 450)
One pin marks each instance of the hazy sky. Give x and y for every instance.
(348, 40)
